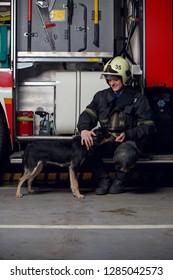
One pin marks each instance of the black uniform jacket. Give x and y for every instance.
(129, 113)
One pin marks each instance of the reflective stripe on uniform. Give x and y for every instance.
(91, 112)
(146, 122)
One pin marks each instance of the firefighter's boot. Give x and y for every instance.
(119, 184)
(117, 187)
(103, 186)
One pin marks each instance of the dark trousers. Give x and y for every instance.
(124, 157)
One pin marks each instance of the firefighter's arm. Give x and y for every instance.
(89, 117)
(145, 126)
(143, 130)
(87, 121)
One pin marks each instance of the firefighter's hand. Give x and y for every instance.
(87, 138)
(120, 138)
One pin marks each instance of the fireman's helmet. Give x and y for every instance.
(117, 66)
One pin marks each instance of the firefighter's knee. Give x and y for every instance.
(123, 162)
(125, 156)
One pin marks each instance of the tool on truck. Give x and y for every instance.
(70, 10)
(43, 10)
(84, 29)
(96, 23)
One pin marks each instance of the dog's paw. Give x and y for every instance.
(81, 196)
(31, 192)
(78, 195)
(19, 195)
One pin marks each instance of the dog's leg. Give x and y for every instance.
(26, 176)
(34, 173)
(74, 183)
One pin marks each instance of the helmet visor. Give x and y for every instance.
(108, 72)
(109, 77)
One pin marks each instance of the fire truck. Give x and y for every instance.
(51, 56)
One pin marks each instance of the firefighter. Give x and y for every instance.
(126, 113)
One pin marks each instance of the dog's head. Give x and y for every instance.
(102, 136)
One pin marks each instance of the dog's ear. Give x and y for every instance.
(100, 131)
(101, 134)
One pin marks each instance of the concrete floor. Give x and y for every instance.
(51, 224)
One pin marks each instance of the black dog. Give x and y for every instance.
(59, 152)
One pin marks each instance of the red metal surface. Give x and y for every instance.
(6, 79)
(159, 43)
(9, 111)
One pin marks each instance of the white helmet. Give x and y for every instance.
(117, 66)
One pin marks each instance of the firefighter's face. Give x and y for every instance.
(115, 83)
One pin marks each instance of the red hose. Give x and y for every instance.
(29, 10)
(29, 24)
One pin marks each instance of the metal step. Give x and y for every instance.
(16, 158)
(149, 159)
